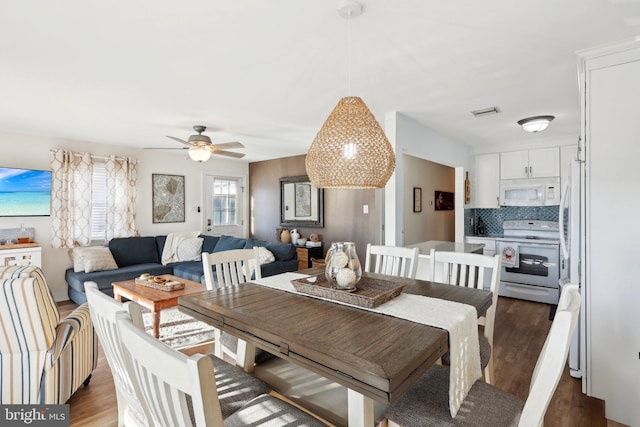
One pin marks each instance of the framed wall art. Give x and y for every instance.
(444, 201)
(168, 198)
(417, 199)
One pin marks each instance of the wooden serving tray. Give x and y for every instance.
(163, 286)
(370, 292)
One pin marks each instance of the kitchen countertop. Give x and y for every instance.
(439, 245)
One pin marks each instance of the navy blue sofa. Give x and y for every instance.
(137, 255)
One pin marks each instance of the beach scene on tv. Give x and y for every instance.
(25, 192)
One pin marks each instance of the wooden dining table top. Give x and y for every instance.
(374, 354)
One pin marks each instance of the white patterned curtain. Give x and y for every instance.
(121, 174)
(70, 199)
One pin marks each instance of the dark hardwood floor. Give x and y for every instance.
(521, 328)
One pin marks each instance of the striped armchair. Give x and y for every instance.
(42, 359)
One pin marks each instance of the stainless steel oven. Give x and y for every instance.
(530, 253)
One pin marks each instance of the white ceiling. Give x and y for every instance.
(268, 73)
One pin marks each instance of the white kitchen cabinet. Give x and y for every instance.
(535, 163)
(611, 106)
(21, 256)
(487, 181)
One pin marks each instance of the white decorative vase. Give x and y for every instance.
(294, 236)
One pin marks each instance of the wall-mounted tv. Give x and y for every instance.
(25, 192)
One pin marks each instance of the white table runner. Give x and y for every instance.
(460, 320)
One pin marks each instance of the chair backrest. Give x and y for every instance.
(165, 380)
(103, 311)
(29, 317)
(392, 260)
(231, 267)
(553, 356)
(470, 270)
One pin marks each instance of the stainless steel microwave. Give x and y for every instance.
(530, 192)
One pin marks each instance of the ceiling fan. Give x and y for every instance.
(201, 148)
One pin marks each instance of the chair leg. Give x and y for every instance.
(217, 345)
(86, 382)
(488, 371)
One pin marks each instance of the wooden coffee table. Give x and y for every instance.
(155, 299)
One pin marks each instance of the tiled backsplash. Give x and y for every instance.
(493, 218)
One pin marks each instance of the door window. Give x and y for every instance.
(224, 206)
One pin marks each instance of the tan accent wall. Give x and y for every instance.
(428, 224)
(344, 219)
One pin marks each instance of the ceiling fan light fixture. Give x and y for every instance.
(199, 154)
(536, 123)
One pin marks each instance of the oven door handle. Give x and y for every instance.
(522, 245)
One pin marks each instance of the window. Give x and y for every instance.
(98, 202)
(225, 197)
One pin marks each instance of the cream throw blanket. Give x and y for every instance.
(460, 320)
(170, 250)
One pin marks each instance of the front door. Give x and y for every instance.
(224, 206)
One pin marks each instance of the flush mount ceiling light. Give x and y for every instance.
(351, 149)
(535, 124)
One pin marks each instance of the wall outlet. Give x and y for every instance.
(365, 209)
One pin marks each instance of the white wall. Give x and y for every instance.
(31, 151)
(410, 137)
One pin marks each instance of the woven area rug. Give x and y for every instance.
(177, 329)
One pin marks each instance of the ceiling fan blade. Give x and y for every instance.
(180, 140)
(229, 145)
(229, 154)
(159, 148)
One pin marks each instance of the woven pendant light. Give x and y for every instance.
(350, 150)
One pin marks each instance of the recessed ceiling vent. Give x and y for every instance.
(485, 112)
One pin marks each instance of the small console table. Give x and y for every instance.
(21, 254)
(305, 253)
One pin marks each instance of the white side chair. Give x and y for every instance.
(391, 260)
(103, 311)
(232, 268)
(184, 391)
(470, 270)
(426, 402)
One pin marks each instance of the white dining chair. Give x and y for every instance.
(426, 402)
(103, 309)
(472, 270)
(231, 268)
(181, 390)
(391, 260)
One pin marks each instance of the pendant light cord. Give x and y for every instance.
(349, 53)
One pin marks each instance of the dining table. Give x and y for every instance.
(375, 356)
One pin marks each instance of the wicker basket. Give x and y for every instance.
(167, 285)
(370, 292)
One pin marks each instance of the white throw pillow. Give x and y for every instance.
(80, 253)
(264, 257)
(190, 249)
(99, 259)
